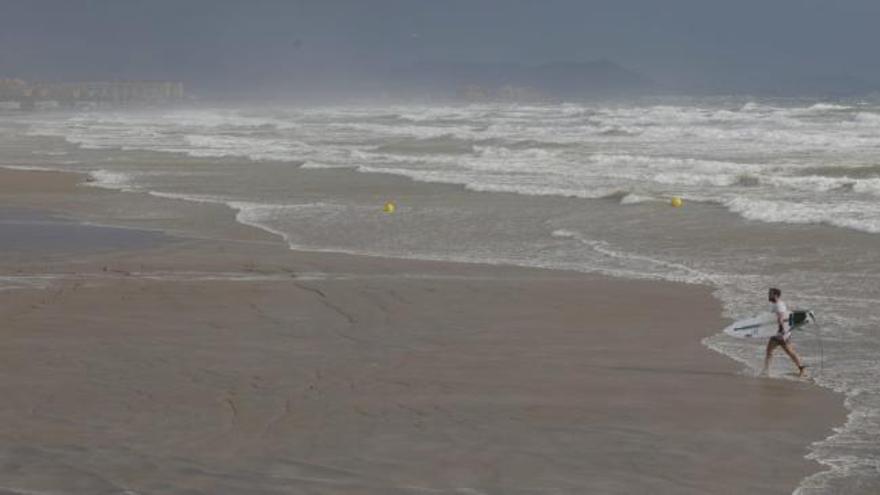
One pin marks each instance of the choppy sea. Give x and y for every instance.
(782, 192)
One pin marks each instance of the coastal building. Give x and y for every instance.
(12, 90)
(508, 93)
(473, 93)
(86, 94)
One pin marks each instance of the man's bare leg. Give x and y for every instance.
(771, 345)
(789, 349)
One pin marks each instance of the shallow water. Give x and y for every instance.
(777, 193)
(23, 231)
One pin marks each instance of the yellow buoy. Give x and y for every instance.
(389, 207)
(676, 202)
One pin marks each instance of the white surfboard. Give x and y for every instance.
(765, 326)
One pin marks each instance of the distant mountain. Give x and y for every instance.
(556, 80)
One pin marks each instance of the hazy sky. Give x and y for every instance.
(677, 42)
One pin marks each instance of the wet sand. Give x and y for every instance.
(188, 365)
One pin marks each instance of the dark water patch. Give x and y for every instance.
(616, 196)
(748, 181)
(521, 144)
(446, 144)
(619, 132)
(26, 231)
(847, 187)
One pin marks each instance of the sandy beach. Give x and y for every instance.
(178, 360)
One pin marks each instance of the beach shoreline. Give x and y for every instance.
(400, 365)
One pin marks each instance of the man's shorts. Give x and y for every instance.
(781, 339)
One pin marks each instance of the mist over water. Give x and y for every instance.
(777, 192)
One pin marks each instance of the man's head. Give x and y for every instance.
(774, 294)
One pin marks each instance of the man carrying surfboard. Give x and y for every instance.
(783, 334)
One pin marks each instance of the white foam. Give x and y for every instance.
(257, 215)
(847, 215)
(868, 118)
(654, 267)
(868, 186)
(110, 179)
(257, 149)
(194, 198)
(812, 183)
(31, 168)
(49, 153)
(632, 199)
(25, 282)
(532, 150)
(824, 107)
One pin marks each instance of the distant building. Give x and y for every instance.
(518, 94)
(12, 89)
(473, 93)
(507, 94)
(89, 94)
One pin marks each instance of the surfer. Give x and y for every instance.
(783, 334)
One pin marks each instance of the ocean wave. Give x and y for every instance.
(263, 215)
(628, 198)
(198, 119)
(694, 180)
(451, 144)
(753, 106)
(869, 118)
(825, 107)
(632, 199)
(256, 149)
(868, 186)
(671, 164)
(192, 198)
(111, 179)
(254, 214)
(572, 150)
(645, 264)
(49, 153)
(822, 184)
(856, 216)
(842, 171)
(32, 168)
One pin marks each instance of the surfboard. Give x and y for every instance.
(764, 326)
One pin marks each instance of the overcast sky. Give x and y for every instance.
(677, 42)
